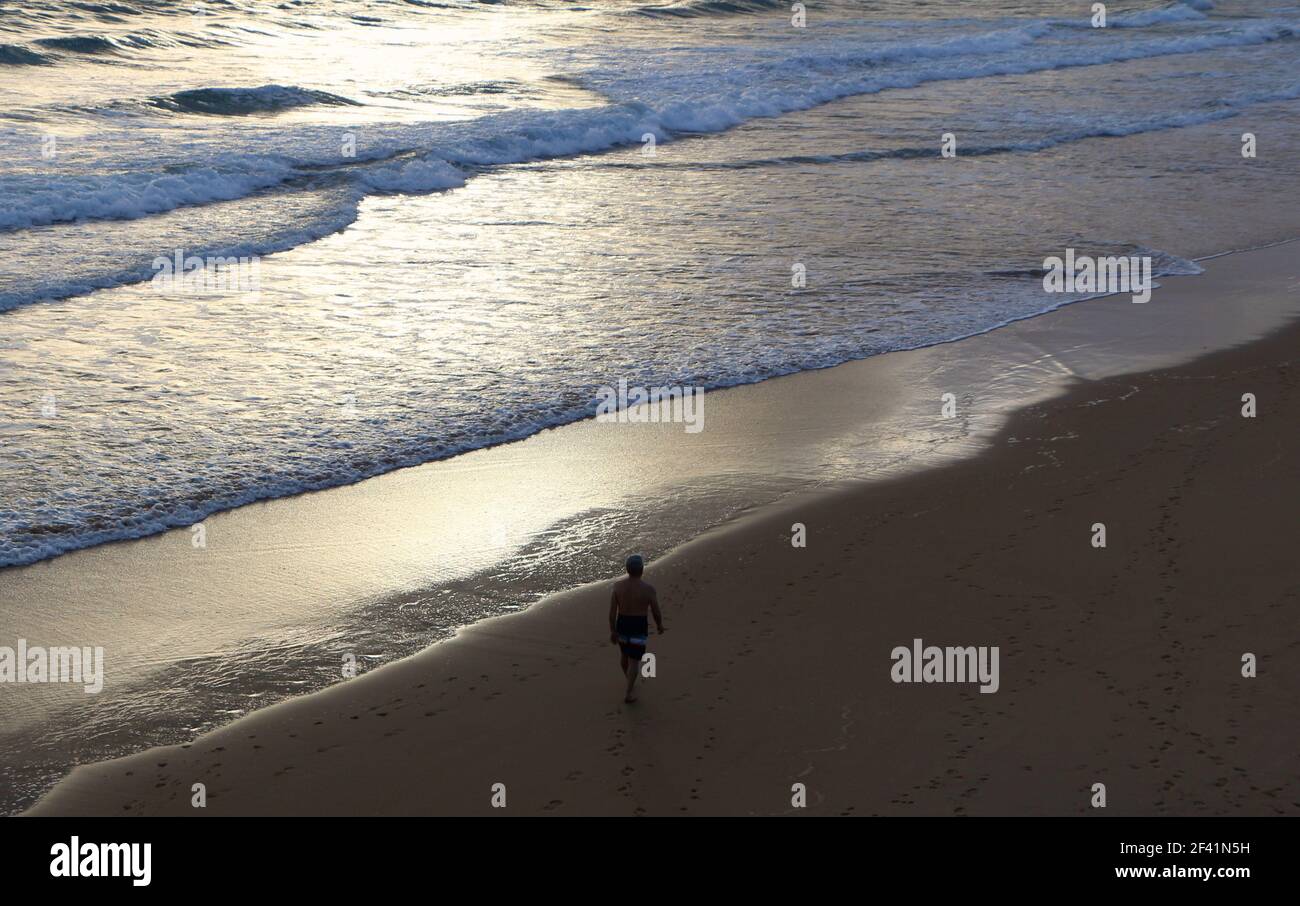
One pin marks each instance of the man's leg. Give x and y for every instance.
(633, 668)
(623, 664)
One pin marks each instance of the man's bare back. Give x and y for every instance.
(635, 597)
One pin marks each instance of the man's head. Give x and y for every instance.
(635, 565)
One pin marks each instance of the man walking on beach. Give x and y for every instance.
(628, 626)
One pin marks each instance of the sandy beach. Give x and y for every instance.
(1119, 665)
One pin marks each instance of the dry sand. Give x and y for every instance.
(1119, 665)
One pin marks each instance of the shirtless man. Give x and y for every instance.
(628, 626)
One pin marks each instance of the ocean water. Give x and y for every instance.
(140, 131)
(457, 235)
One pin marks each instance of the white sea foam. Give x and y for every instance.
(1175, 12)
(702, 99)
(36, 201)
(414, 176)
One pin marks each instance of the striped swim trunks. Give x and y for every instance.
(632, 633)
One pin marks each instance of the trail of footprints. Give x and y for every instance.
(1158, 702)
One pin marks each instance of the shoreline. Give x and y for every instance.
(525, 433)
(545, 659)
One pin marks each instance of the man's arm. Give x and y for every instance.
(613, 616)
(654, 609)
